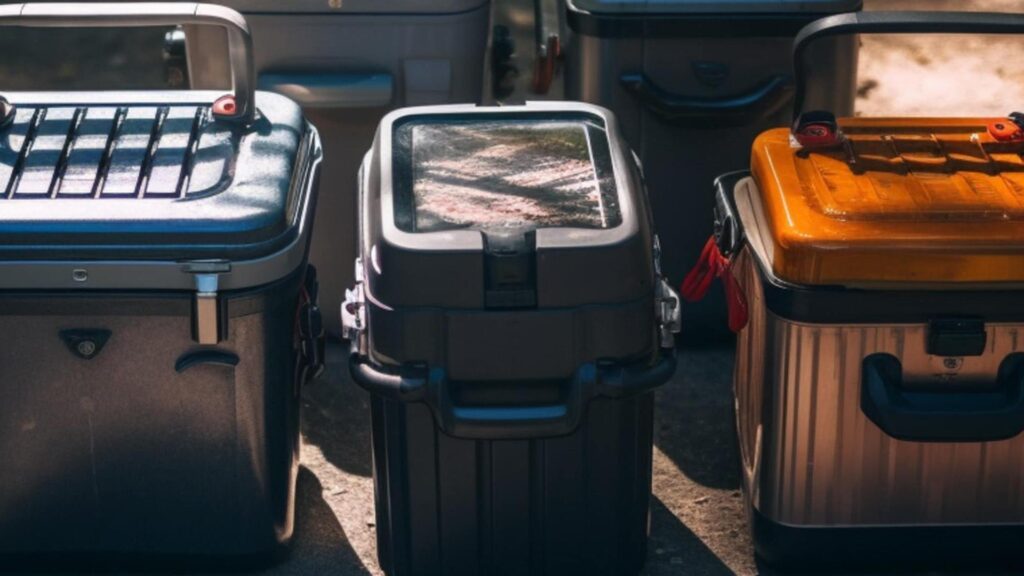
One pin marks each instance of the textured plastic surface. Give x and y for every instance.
(905, 201)
(121, 454)
(116, 177)
(575, 504)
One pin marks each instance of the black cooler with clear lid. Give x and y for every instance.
(510, 323)
(156, 309)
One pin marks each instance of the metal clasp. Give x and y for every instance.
(667, 305)
(353, 310)
(206, 321)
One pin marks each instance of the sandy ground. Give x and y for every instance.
(697, 525)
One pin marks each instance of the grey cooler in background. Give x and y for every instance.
(692, 83)
(510, 324)
(348, 63)
(157, 310)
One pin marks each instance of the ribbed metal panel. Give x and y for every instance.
(822, 462)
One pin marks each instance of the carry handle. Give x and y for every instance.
(420, 384)
(763, 100)
(991, 411)
(894, 23)
(117, 15)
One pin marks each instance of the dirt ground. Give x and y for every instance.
(698, 525)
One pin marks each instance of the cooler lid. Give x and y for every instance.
(510, 207)
(913, 201)
(716, 6)
(148, 176)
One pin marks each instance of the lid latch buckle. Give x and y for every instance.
(207, 324)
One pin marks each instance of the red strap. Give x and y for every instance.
(709, 266)
(713, 264)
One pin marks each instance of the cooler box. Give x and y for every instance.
(157, 312)
(692, 83)
(877, 268)
(348, 62)
(510, 323)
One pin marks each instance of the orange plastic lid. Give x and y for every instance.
(901, 201)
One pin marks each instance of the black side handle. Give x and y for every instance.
(728, 228)
(406, 384)
(217, 357)
(418, 383)
(894, 23)
(702, 112)
(985, 413)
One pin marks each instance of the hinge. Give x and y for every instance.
(669, 312)
(667, 306)
(353, 311)
(207, 326)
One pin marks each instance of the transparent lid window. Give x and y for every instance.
(494, 174)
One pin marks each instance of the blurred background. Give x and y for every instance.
(697, 518)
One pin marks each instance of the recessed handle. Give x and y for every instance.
(117, 15)
(763, 100)
(200, 357)
(418, 383)
(332, 89)
(973, 412)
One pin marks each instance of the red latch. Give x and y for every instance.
(818, 129)
(713, 264)
(1008, 130)
(225, 106)
(545, 63)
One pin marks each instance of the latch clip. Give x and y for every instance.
(207, 327)
(667, 305)
(353, 311)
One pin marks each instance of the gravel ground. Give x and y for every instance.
(697, 518)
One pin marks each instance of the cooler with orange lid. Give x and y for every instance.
(914, 202)
(874, 269)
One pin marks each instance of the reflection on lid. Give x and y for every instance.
(509, 174)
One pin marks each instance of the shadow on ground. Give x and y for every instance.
(696, 425)
(320, 545)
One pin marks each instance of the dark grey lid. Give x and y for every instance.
(126, 175)
(453, 196)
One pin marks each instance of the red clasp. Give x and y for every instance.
(713, 264)
(225, 106)
(817, 129)
(1008, 130)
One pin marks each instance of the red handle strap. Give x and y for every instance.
(713, 264)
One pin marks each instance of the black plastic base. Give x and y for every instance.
(574, 504)
(814, 549)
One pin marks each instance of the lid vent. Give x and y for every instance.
(101, 152)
